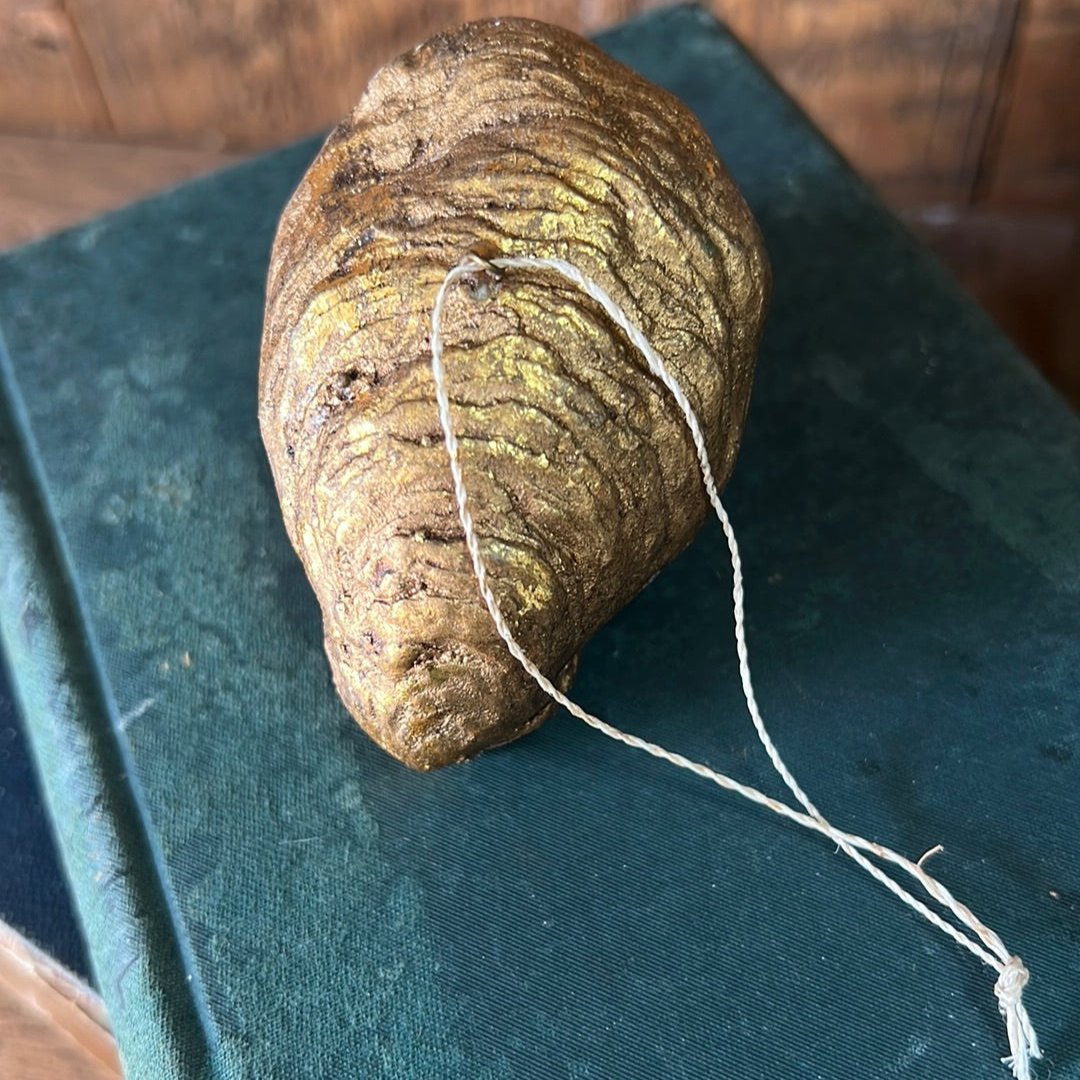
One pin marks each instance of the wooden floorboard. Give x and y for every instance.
(52, 1027)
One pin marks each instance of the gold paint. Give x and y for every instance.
(582, 477)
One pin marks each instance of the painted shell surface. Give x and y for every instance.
(513, 138)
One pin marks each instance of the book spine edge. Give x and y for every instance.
(140, 964)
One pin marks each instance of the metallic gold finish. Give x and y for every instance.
(515, 138)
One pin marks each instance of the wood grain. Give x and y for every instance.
(1035, 157)
(255, 73)
(48, 184)
(52, 1027)
(47, 84)
(1020, 267)
(905, 90)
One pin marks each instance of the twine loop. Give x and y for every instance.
(980, 940)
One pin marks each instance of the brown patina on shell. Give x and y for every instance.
(506, 137)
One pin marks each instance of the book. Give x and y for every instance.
(266, 894)
(34, 897)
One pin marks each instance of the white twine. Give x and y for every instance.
(986, 945)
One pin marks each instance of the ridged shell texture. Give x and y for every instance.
(506, 137)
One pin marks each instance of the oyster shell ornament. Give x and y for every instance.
(505, 138)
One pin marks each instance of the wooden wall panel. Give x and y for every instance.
(904, 88)
(255, 73)
(1035, 158)
(1023, 268)
(48, 184)
(47, 85)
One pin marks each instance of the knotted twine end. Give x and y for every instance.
(1023, 1043)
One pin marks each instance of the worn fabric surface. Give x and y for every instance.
(268, 895)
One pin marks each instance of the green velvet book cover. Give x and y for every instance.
(266, 894)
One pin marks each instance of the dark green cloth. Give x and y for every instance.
(268, 895)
